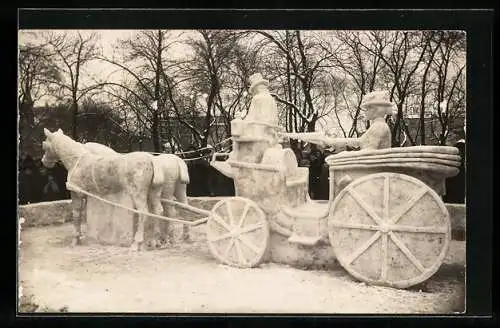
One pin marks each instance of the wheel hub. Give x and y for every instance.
(384, 228)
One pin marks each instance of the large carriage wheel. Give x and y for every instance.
(389, 229)
(238, 232)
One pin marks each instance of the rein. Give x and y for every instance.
(72, 170)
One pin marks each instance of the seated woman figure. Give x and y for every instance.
(376, 105)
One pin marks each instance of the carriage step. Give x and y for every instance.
(304, 240)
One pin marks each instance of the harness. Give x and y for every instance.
(72, 170)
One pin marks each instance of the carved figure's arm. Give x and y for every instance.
(340, 143)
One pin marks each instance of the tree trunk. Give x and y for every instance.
(155, 133)
(74, 113)
(422, 118)
(424, 93)
(396, 131)
(442, 139)
(155, 128)
(354, 127)
(130, 148)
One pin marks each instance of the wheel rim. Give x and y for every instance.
(238, 232)
(389, 229)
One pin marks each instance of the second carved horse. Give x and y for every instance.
(176, 176)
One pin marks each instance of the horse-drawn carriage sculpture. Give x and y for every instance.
(384, 218)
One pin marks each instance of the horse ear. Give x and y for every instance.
(60, 131)
(46, 132)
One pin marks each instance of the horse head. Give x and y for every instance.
(57, 146)
(50, 157)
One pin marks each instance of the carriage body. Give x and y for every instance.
(385, 218)
(430, 164)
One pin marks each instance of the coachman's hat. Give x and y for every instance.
(379, 98)
(255, 80)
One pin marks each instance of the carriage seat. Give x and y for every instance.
(443, 159)
(431, 164)
(285, 159)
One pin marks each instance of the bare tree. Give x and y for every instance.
(37, 75)
(429, 58)
(217, 70)
(359, 57)
(402, 57)
(449, 69)
(145, 63)
(73, 52)
(302, 65)
(233, 99)
(37, 72)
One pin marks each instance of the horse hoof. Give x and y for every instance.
(135, 247)
(152, 244)
(162, 243)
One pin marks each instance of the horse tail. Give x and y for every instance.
(158, 174)
(183, 171)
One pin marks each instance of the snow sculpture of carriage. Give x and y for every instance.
(384, 218)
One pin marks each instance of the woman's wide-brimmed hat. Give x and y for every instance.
(379, 98)
(255, 80)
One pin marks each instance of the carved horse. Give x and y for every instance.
(79, 200)
(138, 174)
(176, 178)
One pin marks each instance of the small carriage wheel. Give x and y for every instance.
(389, 229)
(238, 232)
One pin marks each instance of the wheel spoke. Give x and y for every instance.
(365, 206)
(241, 257)
(363, 248)
(249, 244)
(383, 271)
(231, 244)
(243, 215)
(402, 228)
(408, 205)
(230, 213)
(220, 237)
(251, 228)
(407, 252)
(223, 223)
(386, 198)
(350, 225)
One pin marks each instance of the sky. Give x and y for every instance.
(108, 39)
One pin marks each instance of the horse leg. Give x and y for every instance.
(76, 212)
(156, 208)
(168, 211)
(84, 208)
(140, 204)
(181, 196)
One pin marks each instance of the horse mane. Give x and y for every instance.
(62, 141)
